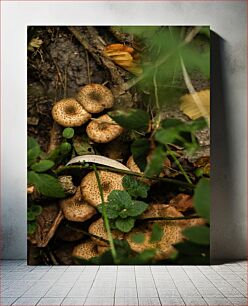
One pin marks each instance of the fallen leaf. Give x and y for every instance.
(189, 108)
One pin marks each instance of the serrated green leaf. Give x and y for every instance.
(138, 237)
(125, 225)
(68, 133)
(156, 163)
(136, 208)
(202, 198)
(135, 187)
(157, 233)
(198, 234)
(112, 211)
(42, 165)
(132, 119)
(46, 184)
(119, 199)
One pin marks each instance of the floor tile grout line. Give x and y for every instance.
(155, 287)
(192, 282)
(176, 286)
(231, 283)
(136, 286)
(116, 283)
(210, 281)
(98, 268)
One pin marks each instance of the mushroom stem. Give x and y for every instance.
(161, 179)
(105, 217)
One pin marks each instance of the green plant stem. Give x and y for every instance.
(158, 117)
(162, 179)
(105, 217)
(178, 164)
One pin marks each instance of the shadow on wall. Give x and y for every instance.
(227, 234)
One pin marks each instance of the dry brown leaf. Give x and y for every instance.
(189, 107)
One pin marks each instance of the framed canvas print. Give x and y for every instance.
(118, 121)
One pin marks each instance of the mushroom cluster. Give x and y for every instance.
(90, 100)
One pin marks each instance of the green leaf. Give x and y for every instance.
(32, 143)
(144, 257)
(135, 187)
(140, 149)
(205, 31)
(119, 199)
(136, 208)
(36, 209)
(32, 227)
(46, 184)
(198, 234)
(132, 119)
(65, 148)
(138, 237)
(31, 216)
(156, 163)
(42, 165)
(202, 198)
(68, 133)
(125, 225)
(33, 154)
(157, 233)
(190, 248)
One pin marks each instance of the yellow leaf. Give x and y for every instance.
(191, 109)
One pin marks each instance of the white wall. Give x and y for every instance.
(229, 138)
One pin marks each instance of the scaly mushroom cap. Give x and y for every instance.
(103, 129)
(172, 231)
(109, 181)
(132, 165)
(97, 228)
(75, 209)
(69, 113)
(95, 98)
(85, 250)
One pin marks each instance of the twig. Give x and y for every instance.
(169, 218)
(161, 179)
(178, 164)
(88, 65)
(104, 213)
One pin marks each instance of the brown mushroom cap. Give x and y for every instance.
(103, 129)
(75, 209)
(95, 98)
(97, 228)
(109, 181)
(172, 231)
(132, 165)
(85, 250)
(69, 113)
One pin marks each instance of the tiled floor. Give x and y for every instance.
(112, 285)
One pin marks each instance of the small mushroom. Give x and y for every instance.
(103, 129)
(75, 209)
(109, 181)
(95, 98)
(97, 228)
(85, 250)
(69, 113)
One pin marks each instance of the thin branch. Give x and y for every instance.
(161, 179)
